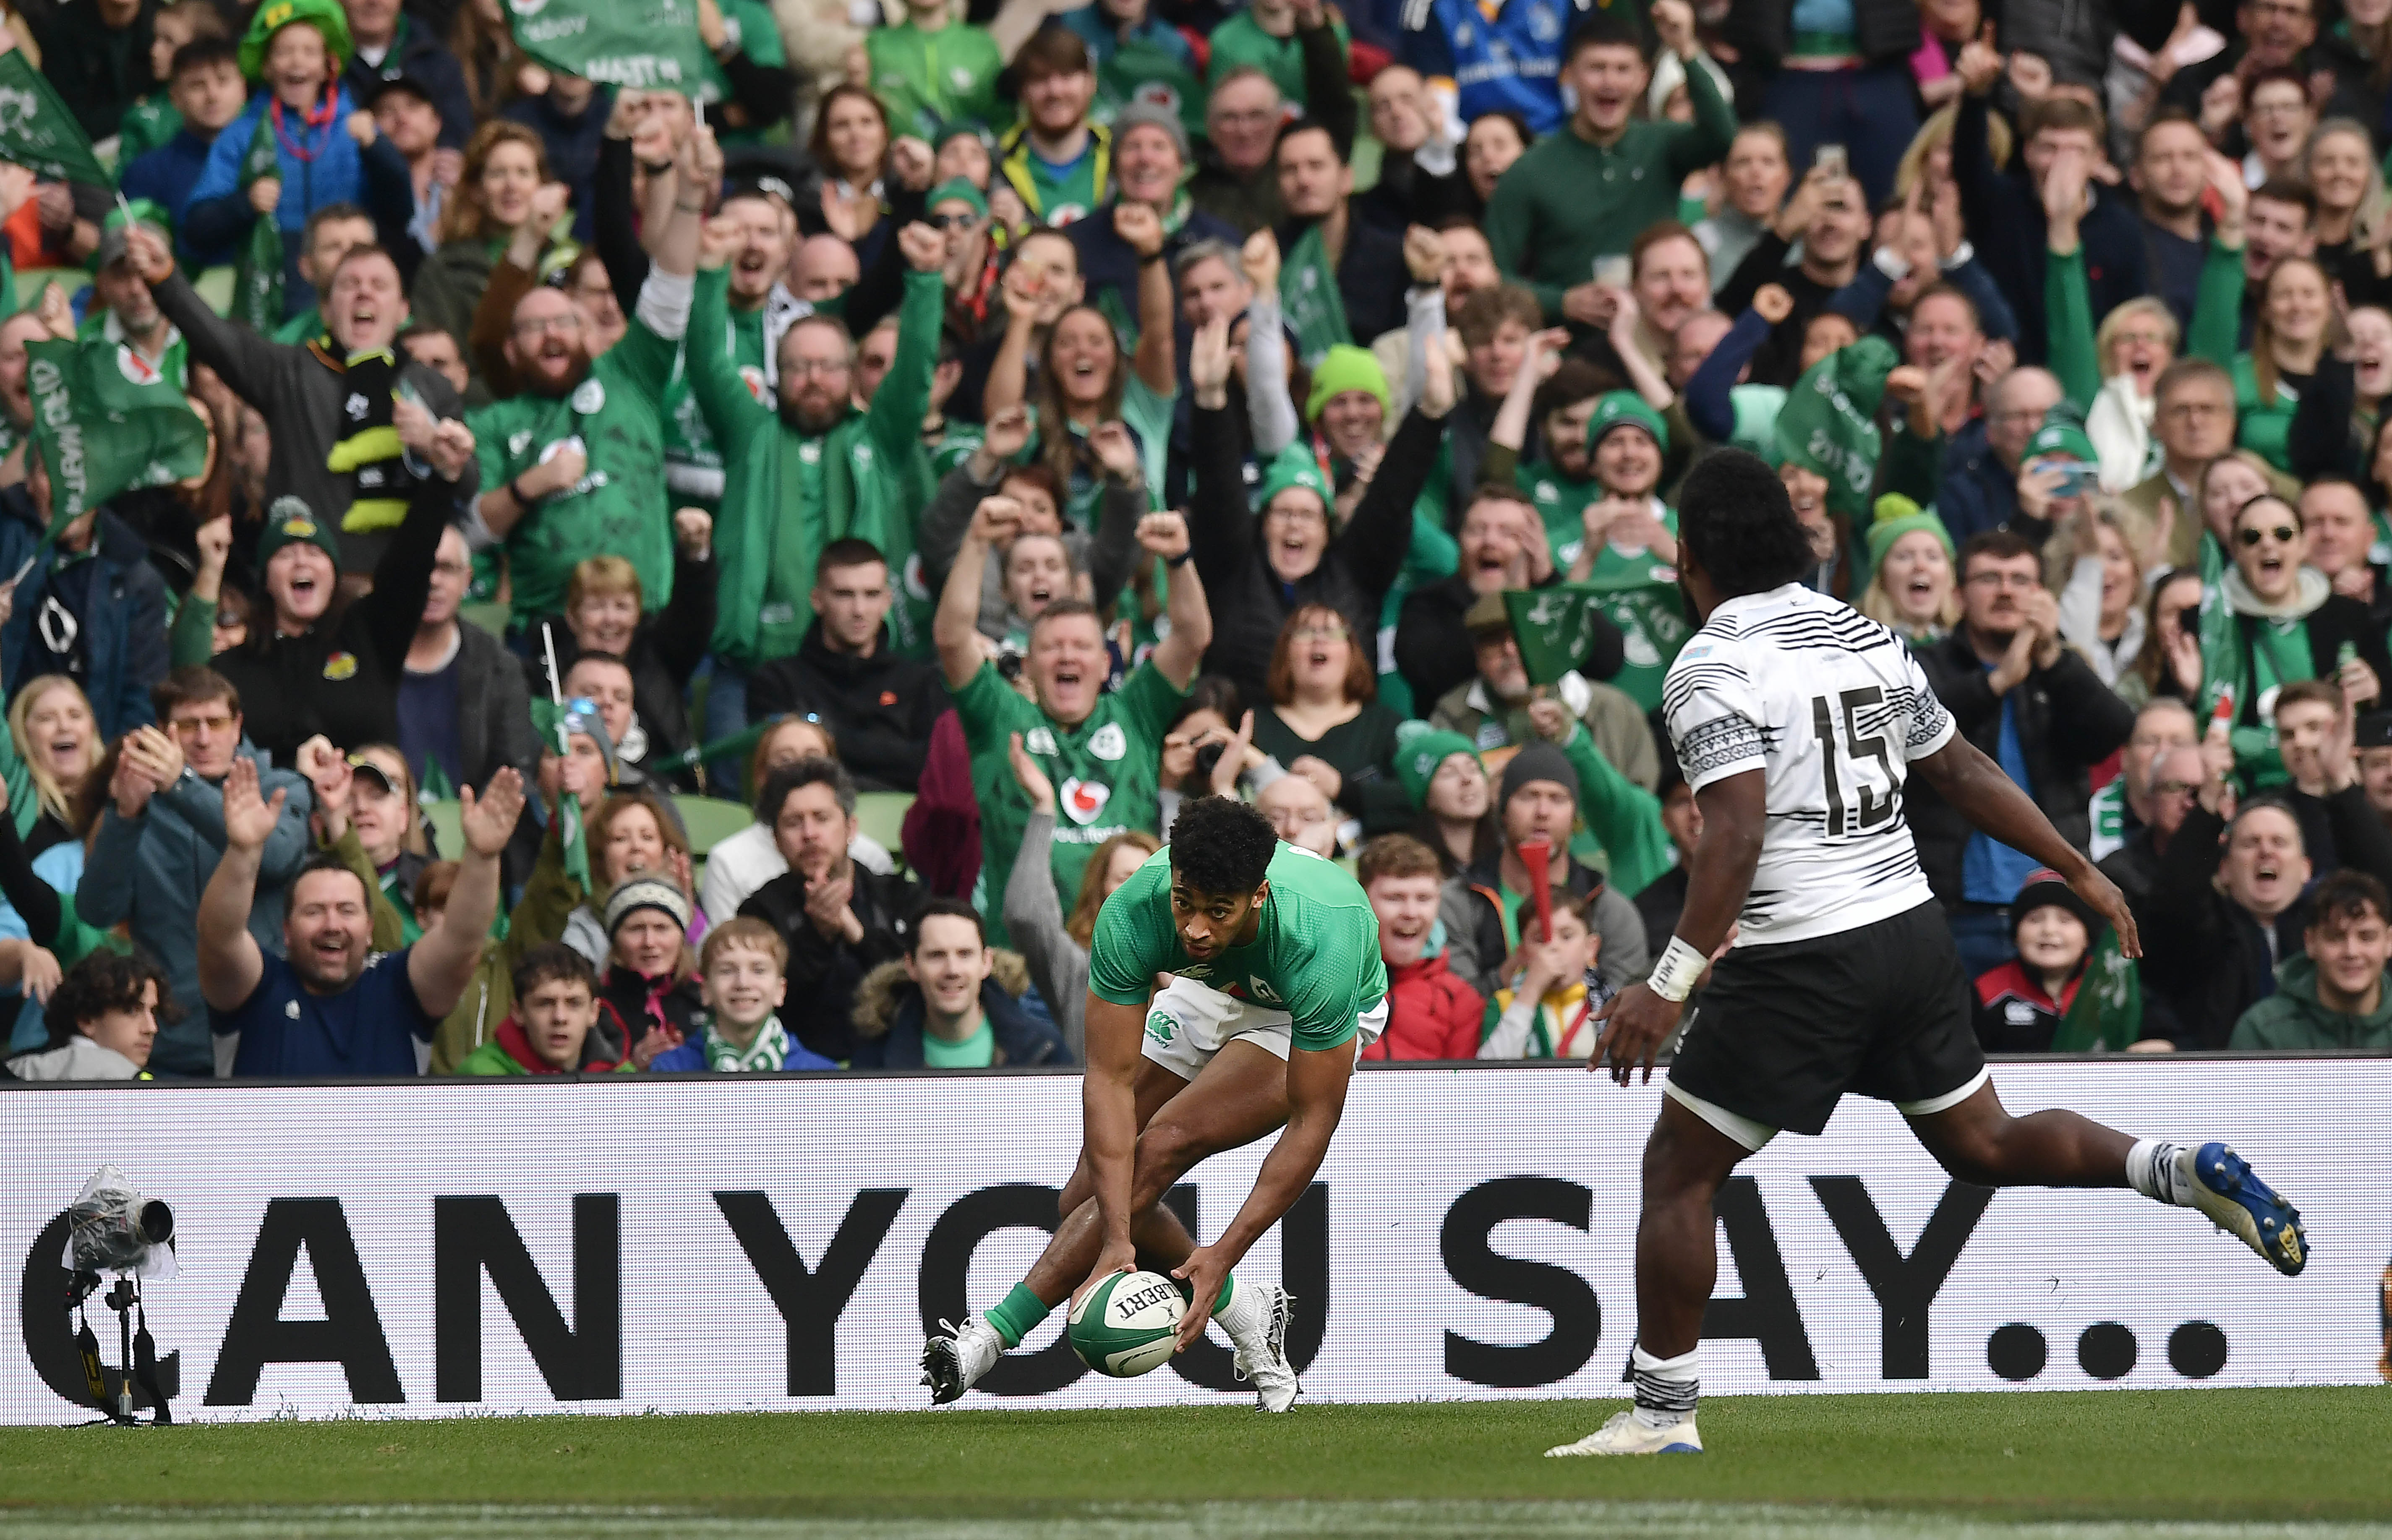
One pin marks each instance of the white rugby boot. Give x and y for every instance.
(1624, 1435)
(1262, 1359)
(952, 1363)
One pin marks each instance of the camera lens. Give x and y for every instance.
(1208, 759)
(1009, 666)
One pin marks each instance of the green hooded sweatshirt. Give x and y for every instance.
(786, 495)
(2294, 1017)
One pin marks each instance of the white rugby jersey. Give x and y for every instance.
(1831, 707)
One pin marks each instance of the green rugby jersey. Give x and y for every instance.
(1314, 955)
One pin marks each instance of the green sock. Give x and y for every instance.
(1018, 1314)
(1228, 1284)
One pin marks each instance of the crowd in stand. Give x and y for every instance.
(1052, 414)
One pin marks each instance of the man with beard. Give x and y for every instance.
(1497, 707)
(125, 313)
(1341, 278)
(574, 464)
(15, 400)
(811, 467)
(306, 392)
(1499, 549)
(2170, 172)
(328, 1007)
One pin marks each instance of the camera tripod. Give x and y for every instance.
(137, 1352)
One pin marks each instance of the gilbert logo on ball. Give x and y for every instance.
(1127, 1325)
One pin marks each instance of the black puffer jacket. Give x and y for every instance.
(1249, 601)
(822, 975)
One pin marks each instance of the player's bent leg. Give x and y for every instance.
(1693, 1148)
(1977, 1140)
(1153, 1089)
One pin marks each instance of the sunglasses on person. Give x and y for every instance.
(952, 221)
(2283, 534)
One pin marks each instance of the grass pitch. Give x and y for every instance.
(2190, 1463)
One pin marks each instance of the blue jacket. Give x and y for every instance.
(690, 1058)
(124, 620)
(168, 175)
(336, 174)
(152, 868)
(1978, 492)
(888, 1020)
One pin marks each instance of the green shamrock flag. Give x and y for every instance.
(104, 422)
(1828, 424)
(1554, 627)
(647, 44)
(548, 721)
(2106, 1014)
(36, 130)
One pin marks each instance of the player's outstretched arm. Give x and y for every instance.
(1640, 1019)
(1317, 1079)
(1109, 1111)
(1993, 803)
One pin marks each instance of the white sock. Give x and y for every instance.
(1667, 1389)
(1247, 1315)
(2151, 1169)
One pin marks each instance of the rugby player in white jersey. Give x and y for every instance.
(1797, 720)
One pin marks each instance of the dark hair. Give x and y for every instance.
(433, 884)
(2300, 519)
(1940, 291)
(1397, 855)
(324, 860)
(1738, 523)
(1221, 847)
(413, 329)
(192, 686)
(1651, 235)
(2283, 189)
(201, 52)
(1210, 693)
(1603, 29)
(1564, 901)
(848, 553)
(2182, 371)
(954, 908)
(2325, 693)
(1290, 129)
(2345, 895)
(818, 145)
(550, 963)
(1999, 545)
(102, 982)
(813, 771)
(1576, 380)
(324, 216)
(2162, 117)
(1064, 609)
(2061, 112)
(1361, 681)
(1053, 49)
(596, 654)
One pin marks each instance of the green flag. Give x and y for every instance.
(36, 130)
(736, 746)
(1555, 626)
(105, 421)
(258, 273)
(647, 44)
(1651, 621)
(1828, 424)
(548, 721)
(1307, 288)
(2106, 1014)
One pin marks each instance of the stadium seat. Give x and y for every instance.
(491, 618)
(215, 285)
(881, 816)
(711, 820)
(448, 829)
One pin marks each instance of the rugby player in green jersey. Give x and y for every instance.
(1276, 988)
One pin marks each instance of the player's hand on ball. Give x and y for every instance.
(1635, 1023)
(1117, 1257)
(1202, 1271)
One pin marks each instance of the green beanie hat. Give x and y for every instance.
(956, 189)
(1893, 526)
(1347, 368)
(2059, 439)
(1625, 410)
(325, 16)
(1417, 760)
(1293, 466)
(287, 520)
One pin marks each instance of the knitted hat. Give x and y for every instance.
(1898, 517)
(1538, 762)
(1293, 466)
(1347, 368)
(325, 16)
(2060, 440)
(1624, 409)
(2044, 887)
(1148, 114)
(1418, 761)
(957, 189)
(289, 518)
(645, 890)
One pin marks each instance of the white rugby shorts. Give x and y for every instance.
(1189, 1022)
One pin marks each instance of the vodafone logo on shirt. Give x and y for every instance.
(1084, 799)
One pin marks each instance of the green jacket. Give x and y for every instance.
(875, 475)
(2294, 1018)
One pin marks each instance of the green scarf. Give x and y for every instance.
(257, 275)
(2246, 658)
(767, 1052)
(1307, 289)
(2106, 1014)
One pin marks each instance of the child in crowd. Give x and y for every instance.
(158, 117)
(2021, 1004)
(208, 93)
(551, 1031)
(1551, 1014)
(740, 1029)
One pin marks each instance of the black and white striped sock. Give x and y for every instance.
(1667, 1389)
(2151, 1171)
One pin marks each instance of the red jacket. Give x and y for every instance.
(1430, 1015)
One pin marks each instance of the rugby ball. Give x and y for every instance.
(1127, 1325)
